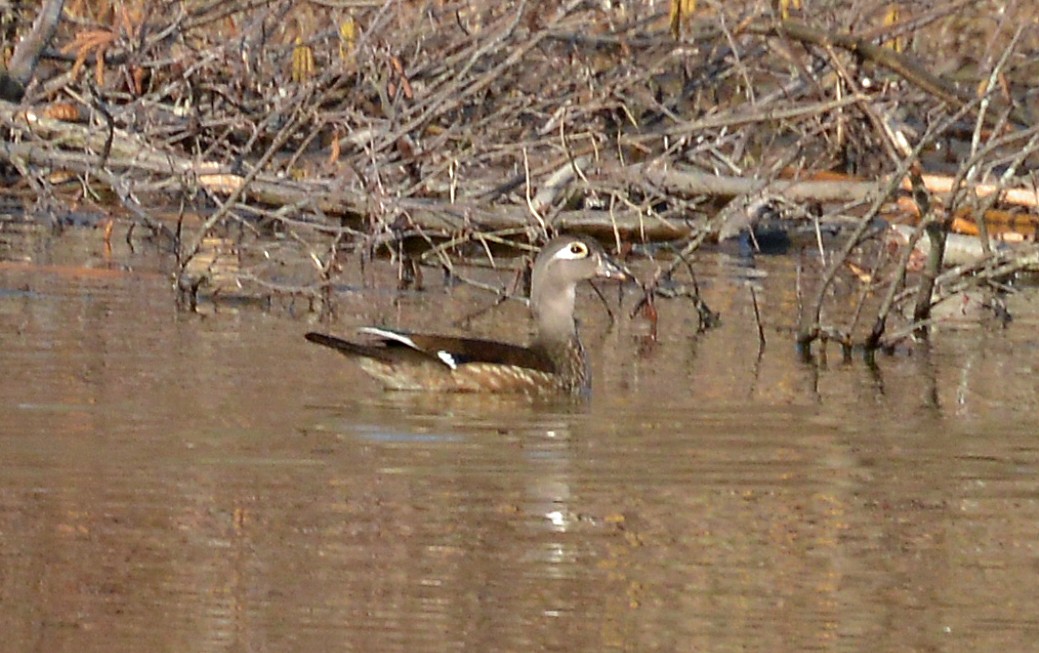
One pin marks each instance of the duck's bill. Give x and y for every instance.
(611, 269)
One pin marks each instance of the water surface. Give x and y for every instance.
(172, 481)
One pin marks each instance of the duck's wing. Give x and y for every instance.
(391, 345)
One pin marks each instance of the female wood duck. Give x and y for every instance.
(555, 361)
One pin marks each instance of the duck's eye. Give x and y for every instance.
(572, 251)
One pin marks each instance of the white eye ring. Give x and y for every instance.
(573, 251)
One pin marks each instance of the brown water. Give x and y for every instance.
(183, 482)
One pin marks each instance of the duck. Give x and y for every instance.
(554, 362)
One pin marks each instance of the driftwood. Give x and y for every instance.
(125, 152)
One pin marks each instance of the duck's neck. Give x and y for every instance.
(556, 337)
(553, 310)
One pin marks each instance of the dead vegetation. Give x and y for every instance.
(289, 133)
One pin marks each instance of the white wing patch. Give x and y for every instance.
(389, 335)
(448, 359)
(444, 356)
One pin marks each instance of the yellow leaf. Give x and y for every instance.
(786, 5)
(302, 61)
(891, 16)
(347, 40)
(679, 11)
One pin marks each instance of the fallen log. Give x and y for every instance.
(54, 144)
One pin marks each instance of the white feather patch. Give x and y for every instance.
(388, 335)
(444, 356)
(448, 359)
